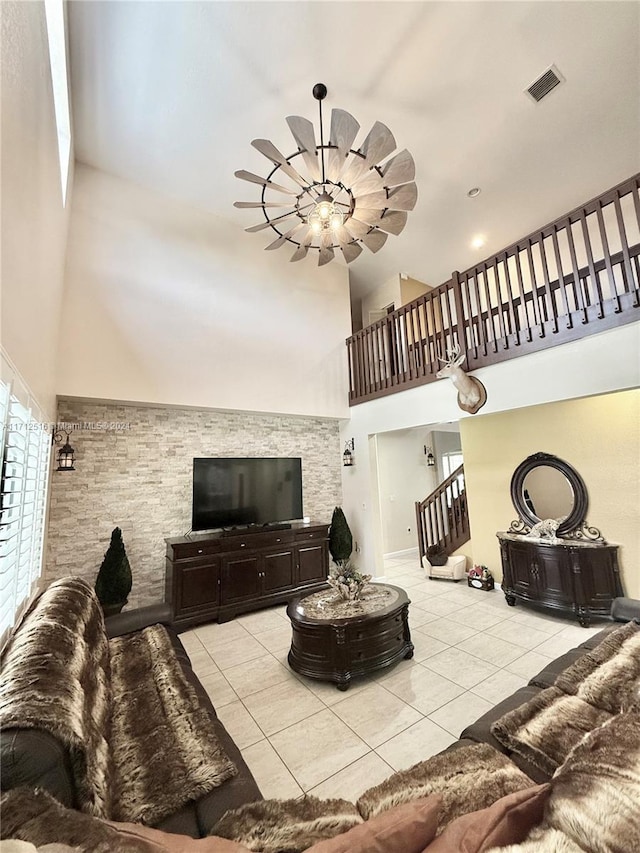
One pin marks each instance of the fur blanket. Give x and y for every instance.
(468, 778)
(35, 816)
(139, 742)
(594, 803)
(287, 826)
(56, 677)
(596, 687)
(167, 751)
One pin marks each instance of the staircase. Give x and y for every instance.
(442, 518)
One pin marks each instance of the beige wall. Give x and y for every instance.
(165, 303)
(410, 289)
(599, 436)
(140, 479)
(34, 222)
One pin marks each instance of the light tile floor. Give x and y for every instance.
(303, 736)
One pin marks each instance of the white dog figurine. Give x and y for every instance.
(545, 529)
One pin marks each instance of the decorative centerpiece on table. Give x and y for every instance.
(345, 578)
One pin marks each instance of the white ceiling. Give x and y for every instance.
(170, 94)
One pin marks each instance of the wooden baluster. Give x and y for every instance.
(523, 296)
(351, 364)
(539, 319)
(607, 258)
(431, 334)
(577, 281)
(363, 363)
(514, 314)
(407, 347)
(460, 324)
(627, 268)
(489, 308)
(550, 298)
(382, 358)
(421, 317)
(503, 331)
(442, 334)
(561, 284)
(447, 321)
(370, 360)
(595, 281)
(482, 332)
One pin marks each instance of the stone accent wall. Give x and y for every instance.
(140, 479)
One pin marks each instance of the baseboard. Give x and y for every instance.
(407, 552)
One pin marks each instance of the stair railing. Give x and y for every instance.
(442, 518)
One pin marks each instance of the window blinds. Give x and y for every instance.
(26, 445)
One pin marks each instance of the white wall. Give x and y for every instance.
(167, 304)
(598, 364)
(403, 479)
(34, 222)
(387, 293)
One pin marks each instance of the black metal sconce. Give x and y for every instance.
(66, 453)
(431, 459)
(347, 456)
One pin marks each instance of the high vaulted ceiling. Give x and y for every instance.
(169, 95)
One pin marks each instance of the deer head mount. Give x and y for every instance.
(472, 395)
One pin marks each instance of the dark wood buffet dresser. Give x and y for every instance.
(218, 575)
(571, 577)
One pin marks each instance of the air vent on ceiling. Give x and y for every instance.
(548, 81)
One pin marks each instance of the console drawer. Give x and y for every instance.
(254, 541)
(187, 550)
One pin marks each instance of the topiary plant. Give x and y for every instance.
(113, 583)
(340, 539)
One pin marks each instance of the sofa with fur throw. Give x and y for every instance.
(555, 768)
(111, 720)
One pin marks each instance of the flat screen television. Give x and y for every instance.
(238, 492)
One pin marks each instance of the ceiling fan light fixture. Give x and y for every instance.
(322, 187)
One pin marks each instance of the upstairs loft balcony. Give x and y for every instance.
(575, 277)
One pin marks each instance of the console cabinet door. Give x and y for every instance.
(313, 563)
(277, 571)
(240, 578)
(524, 580)
(197, 586)
(554, 576)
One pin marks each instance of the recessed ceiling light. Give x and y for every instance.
(478, 242)
(474, 191)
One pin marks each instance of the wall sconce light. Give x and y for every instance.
(431, 459)
(347, 456)
(66, 456)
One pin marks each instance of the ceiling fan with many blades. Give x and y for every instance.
(342, 197)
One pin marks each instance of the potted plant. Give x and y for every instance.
(345, 578)
(436, 555)
(340, 538)
(113, 583)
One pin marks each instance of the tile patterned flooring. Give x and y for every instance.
(303, 736)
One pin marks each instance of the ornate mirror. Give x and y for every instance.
(546, 487)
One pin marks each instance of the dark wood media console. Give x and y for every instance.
(218, 575)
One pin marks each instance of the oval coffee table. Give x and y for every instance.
(335, 640)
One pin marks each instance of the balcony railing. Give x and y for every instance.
(575, 277)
